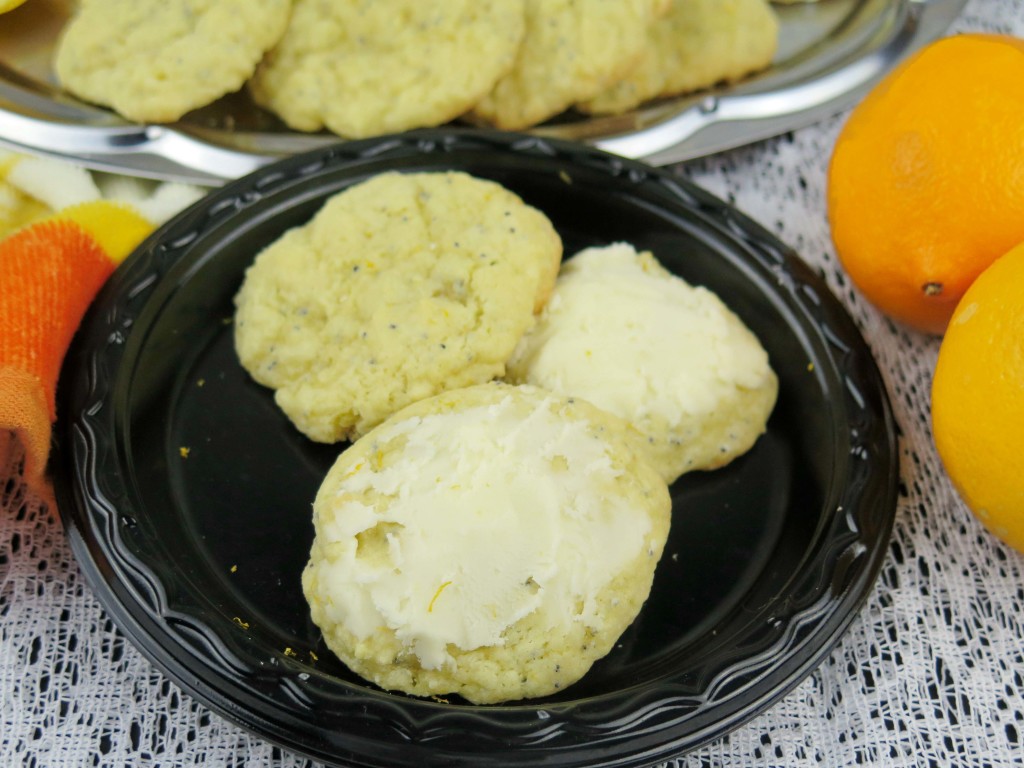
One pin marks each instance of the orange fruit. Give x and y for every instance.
(978, 398)
(926, 180)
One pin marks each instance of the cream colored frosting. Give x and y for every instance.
(637, 341)
(490, 516)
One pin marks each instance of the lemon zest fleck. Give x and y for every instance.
(430, 608)
(353, 471)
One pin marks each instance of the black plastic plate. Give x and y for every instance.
(187, 494)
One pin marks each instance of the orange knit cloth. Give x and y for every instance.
(51, 272)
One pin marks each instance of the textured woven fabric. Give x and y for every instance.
(930, 673)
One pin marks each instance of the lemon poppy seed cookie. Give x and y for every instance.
(155, 60)
(700, 43)
(363, 69)
(670, 358)
(491, 542)
(400, 287)
(572, 50)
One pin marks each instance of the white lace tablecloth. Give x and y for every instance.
(931, 673)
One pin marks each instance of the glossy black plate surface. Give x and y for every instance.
(187, 494)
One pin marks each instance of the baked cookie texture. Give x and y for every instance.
(671, 359)
(698, 44)
(491, 542)
(155, 60)
(571, 51)
(363, 69)
(400, 287)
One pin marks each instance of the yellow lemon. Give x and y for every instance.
(978, 398)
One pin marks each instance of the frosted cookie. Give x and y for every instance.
(572, 50)
(669, 358)
(363, 69)
(491, 542)
(155, 60)
(700, 43)
(400, 287)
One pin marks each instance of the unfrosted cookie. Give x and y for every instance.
(491, 542)
(699, 43)
(363, 69)
(572, 50)
(669, 358)
(155, 60)
(399, 288)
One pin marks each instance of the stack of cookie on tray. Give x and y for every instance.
(495, 524)
(360, 69)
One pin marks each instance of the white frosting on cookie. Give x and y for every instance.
(670, 358)
(491, 517)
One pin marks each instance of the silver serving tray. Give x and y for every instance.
(830, 53)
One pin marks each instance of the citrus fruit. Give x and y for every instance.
(926, 180)
(978, 398)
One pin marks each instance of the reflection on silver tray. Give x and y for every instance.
(829, 54)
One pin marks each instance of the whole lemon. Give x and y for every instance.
(926, 180)
(978, 398)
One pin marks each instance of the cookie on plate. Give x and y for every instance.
(490, 542)
(669, 358)
(363, 69)
(700, 43)
(400, 287)
(572, 50)
(155, 60)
